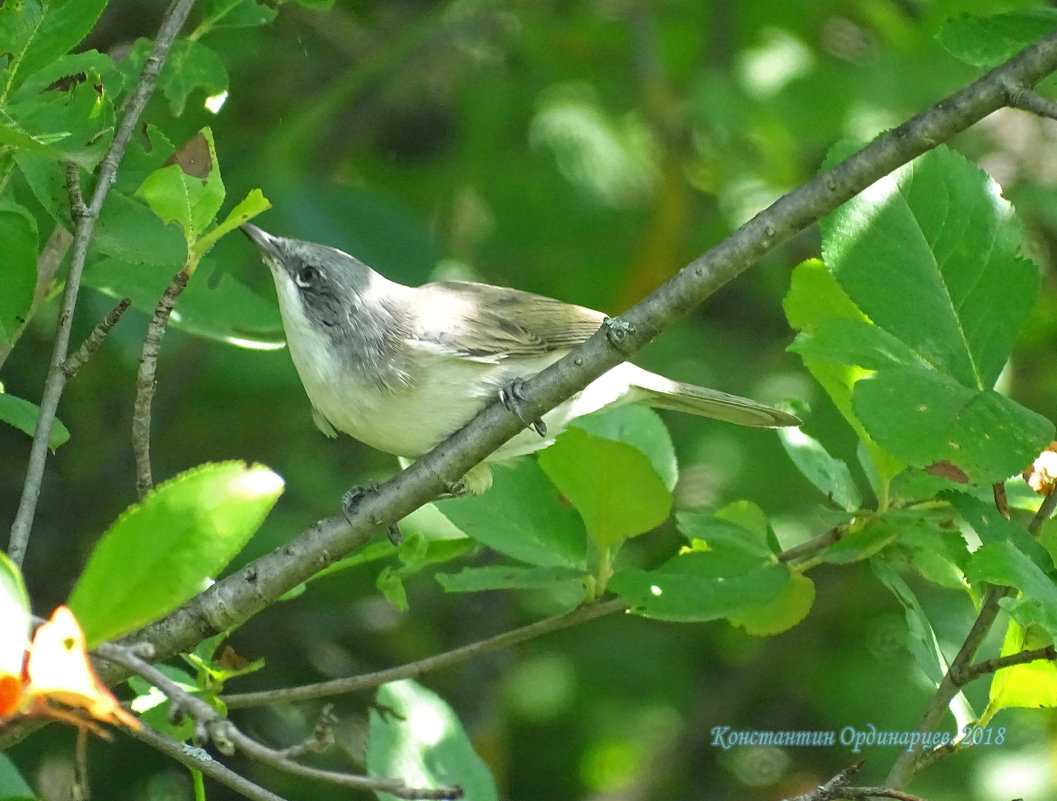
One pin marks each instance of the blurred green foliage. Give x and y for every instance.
(585, 150)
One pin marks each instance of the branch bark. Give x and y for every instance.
(231, 601)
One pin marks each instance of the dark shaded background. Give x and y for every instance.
(584, 150)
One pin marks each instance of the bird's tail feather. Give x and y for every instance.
(663, 393)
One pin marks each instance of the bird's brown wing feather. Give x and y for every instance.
(481, 321)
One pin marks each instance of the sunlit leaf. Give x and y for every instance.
(162, 551)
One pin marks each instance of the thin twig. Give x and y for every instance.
(833, 788)
(411, 670)
(837, 789)
(866, 793)
(226, 737)
(148, 367)
(907, 763)
(199, 759)
(95, 339)
(56, 380)
(814, 545)
(1027, 100)
(234, 599)
(1048, 654)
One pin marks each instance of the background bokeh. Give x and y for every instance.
(584, 149)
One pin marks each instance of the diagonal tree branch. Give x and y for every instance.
(85, 218)
(231, 601)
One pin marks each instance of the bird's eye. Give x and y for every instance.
(307, 276)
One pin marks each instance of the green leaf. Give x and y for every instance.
(14, 618)
(237, 14)
(782, 612)
(510, 577)
(162, 551)
(930, 253)
(613, 486)
(922, 417)
(640, 427)
(416, 737)
(76, 123)
(523, 517)
(22, 414)
(818, 307)
(37, 35)
(18, 232)
(992, 527)
(933, 548)
(225, 310)
(701, 585)
(1033, 684)
(1002, 563)
(246, 209)
(988, 41)
(829, 474)
(188, 190)
(130, 231)
(921, 638)
(861, 543)
(739, 526)
(854, 343)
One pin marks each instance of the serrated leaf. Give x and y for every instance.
(830, 475)
(922, 417)
(37, 35)
(930, 253)
(161, 552)
(855, 343)
(991, 526)
(523, 517)
(613, 485)
(1003, 564)
(988, 41)
(188, 190)
(413, 735)
(23, 414)
(75, 123)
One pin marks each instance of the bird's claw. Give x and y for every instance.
(511, 396)
(348, 505)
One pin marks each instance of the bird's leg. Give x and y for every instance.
(348, 505)
(511, 395)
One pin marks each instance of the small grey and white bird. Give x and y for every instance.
(401, 368)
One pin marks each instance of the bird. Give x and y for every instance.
(401, 368)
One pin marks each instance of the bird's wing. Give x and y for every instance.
(489, 323)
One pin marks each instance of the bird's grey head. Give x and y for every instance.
(336, 310)
(327, 284)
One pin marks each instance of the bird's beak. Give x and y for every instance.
(267, 243)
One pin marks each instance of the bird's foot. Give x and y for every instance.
(511, 395)
(351, 499)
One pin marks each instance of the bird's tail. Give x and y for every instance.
(663, 393)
